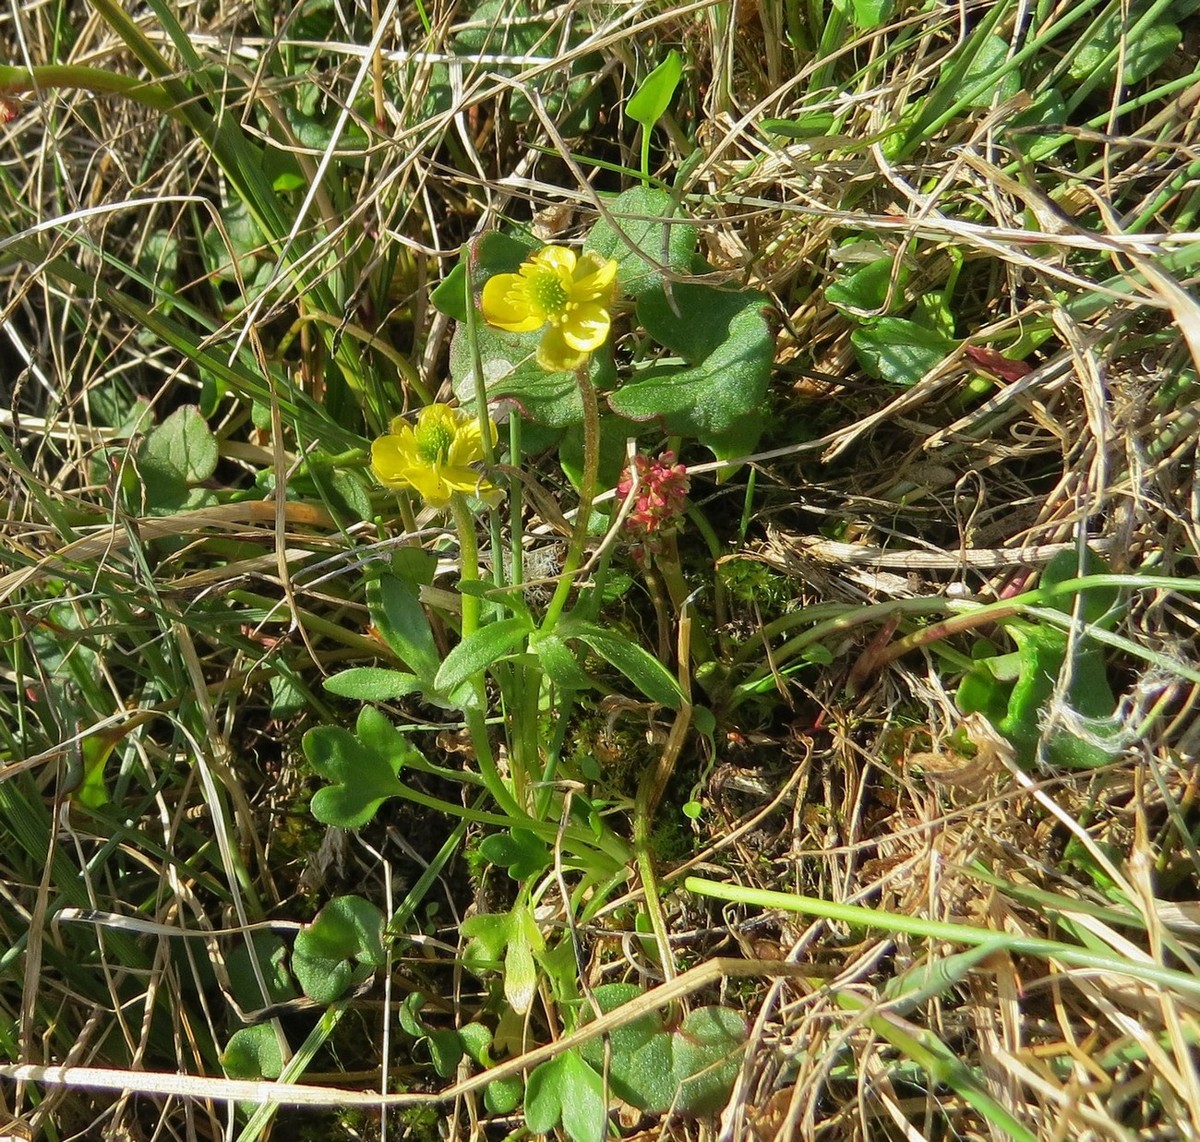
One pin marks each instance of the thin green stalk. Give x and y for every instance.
(1073, 956)
(587, 494)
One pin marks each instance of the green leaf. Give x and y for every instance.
(177, 454)
(402, 623)
(865, 14)
(559, 663)
(348, 927)
(363, 772)
(649, 675)
(511, 371)
(721, 401)
(271, 954)
(649, 237)
(471, 657)
(565, 1089)
(810, 126)
(487, 934)
(342, 945)
(493, 252)
(1016, 709)
(899, 351)
(445, 1050)
(1099, 606)
(525, 943)
(502, 1096)
(707, 1057)
(253, 1053)
(372, 684)
(477, 1040)
(95, 750)
(1145, 51)
(989, 59)
(691, 1068)
(648, 104)
(523, 853)
(866, 289)
(706, 315)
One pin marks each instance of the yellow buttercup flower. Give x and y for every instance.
(566, 295)
(434, 456)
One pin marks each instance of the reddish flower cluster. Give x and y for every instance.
(662, 488)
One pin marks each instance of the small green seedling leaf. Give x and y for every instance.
(649, 103)
(566, 1090)
(373, 684)
(253, 1053)
(362, 768)
(523, 853)
(343, 945)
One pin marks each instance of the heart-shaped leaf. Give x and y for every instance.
(643, 233)
(719, 400)
(253, 1053)
(344, 943)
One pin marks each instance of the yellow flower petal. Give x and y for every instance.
(586, 326)
(506, 305)
(558, 258)
(393, 457)
(593, 277)
(555, 354)
(565, 295)
(434, 457)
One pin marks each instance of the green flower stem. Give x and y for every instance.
(1070, 954)
(468, 547)
(587, 494)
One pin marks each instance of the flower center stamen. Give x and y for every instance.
(433, 442)
(548, 293)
